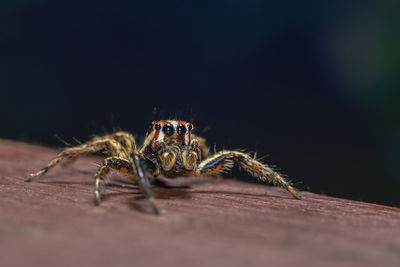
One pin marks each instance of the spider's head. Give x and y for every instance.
(170, 130)
(166, 139)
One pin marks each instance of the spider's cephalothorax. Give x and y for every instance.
(170, 146)
(169, 149)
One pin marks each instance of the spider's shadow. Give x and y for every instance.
(162, 189)
(111, 189)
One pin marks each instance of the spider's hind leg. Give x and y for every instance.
(225, 159)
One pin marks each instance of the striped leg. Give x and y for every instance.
(144, 184)
(126, 168)
(110, 143)
(124, 139)
(224, 160)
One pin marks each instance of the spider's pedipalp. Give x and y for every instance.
(224, 160)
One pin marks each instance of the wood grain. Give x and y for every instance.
(213, 222)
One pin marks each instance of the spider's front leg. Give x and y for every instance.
(120, 144)
(133, 170)
(225, 159)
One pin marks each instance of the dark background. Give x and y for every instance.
(312, 85)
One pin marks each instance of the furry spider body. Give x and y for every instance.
(169, 149)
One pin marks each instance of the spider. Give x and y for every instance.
(170, 149)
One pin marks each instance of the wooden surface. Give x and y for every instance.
(53, 222)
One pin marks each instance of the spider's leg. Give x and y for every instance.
(126, 168)
(202, 146)
(108, 143)
(126, 140)
(224, 160)
(144, 184)
(121, 165)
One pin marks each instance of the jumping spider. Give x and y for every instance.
(169, 149)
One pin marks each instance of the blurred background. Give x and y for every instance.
(311, 85)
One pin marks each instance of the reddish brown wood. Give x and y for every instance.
(52, 222)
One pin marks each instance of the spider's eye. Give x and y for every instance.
(158, 126)
(168, 129)
(190, 126)
(181, 129)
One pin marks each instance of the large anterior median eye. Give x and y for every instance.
(181, 129)
(168, 129)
